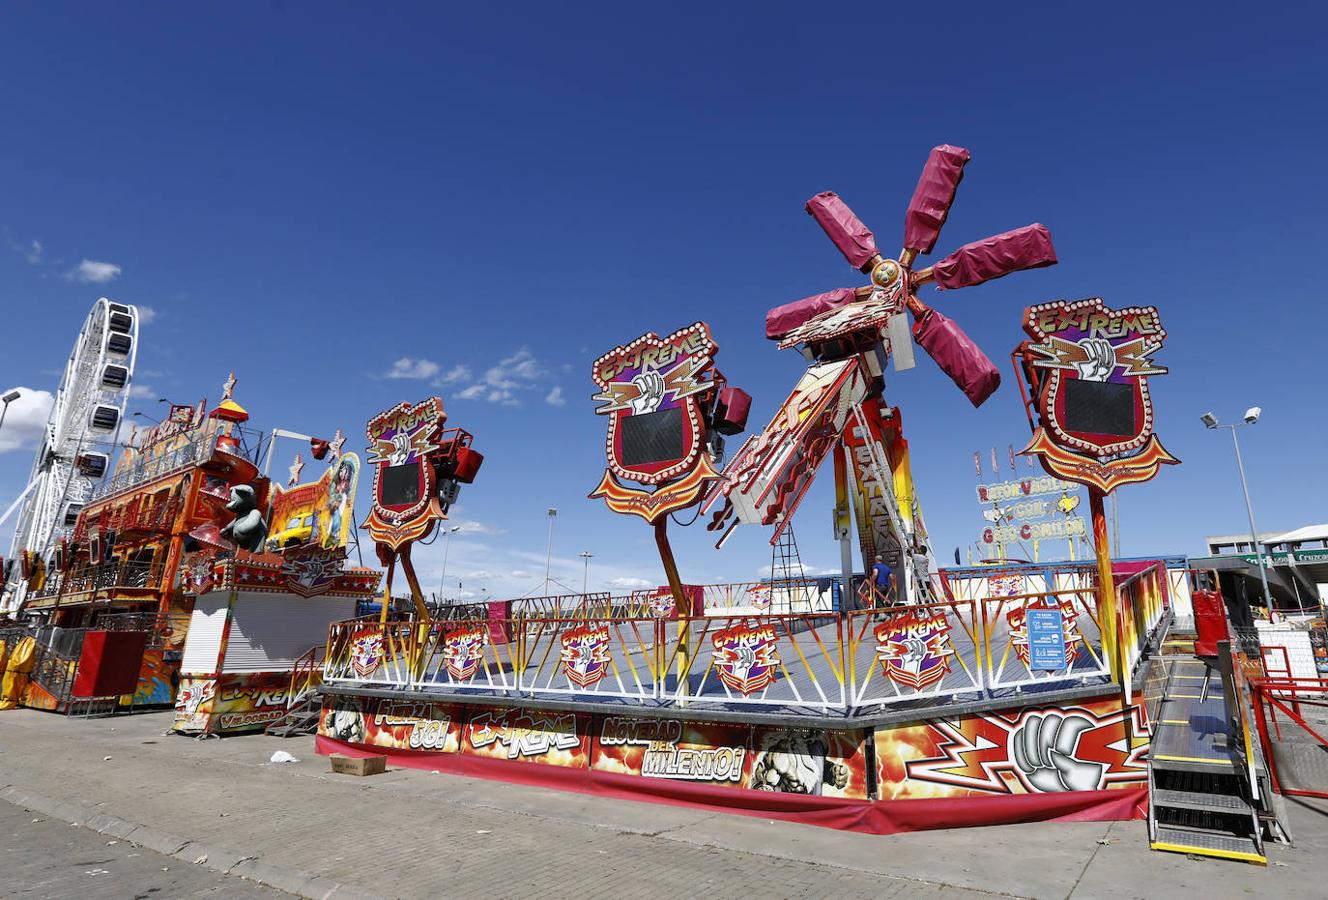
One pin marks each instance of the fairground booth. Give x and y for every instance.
(254, 651)
(188, 578)
(117, 570)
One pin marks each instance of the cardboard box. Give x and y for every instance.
(359, 765)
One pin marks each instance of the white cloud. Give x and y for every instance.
(32, 251)
(505, 382)
(521, 573)
(25, 420)
(92, 272)
(146, 315)
(459, 372)
(142, 392)
(629, 584)
(406, 367)
(470, 526)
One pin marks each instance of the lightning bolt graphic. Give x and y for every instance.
(1058, 353)
(1136, 355)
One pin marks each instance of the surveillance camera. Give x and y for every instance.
(1209, 420)
(1252, 414)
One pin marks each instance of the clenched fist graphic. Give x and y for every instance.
(1043, 749)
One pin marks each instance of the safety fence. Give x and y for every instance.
(633, 650)
(1142, 601)
(913, 653)
(1292, 718)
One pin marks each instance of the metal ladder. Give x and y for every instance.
(884, 475)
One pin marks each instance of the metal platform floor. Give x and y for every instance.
(1191, 732)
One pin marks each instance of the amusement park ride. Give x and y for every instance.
(75, 450)
(989, 694)
(973, 695)
(837, 409)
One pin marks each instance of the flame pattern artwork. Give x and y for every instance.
(1026, 750)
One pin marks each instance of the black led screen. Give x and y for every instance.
(1099, 407)
(652, 437)
(399, 485)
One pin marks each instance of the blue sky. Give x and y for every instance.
(308, 193)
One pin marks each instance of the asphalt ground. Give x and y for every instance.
(300, 828)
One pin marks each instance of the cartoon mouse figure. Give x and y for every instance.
(247, 530)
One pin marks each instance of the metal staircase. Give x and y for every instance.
(304, 701)
(300, 719)
(1202, 799)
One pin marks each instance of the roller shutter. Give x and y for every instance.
(270, 631)
(202, 647)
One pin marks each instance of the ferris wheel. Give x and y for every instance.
(81, 432)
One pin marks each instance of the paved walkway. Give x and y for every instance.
(43, 858)
(407, 833)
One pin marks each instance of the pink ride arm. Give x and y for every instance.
(957, 355)
(1024, 248)
(783, 319)
(932, 197)
(853, 239)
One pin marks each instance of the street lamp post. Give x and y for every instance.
(1251, 416)
(585, 575)
(8, 399)
(548, 555)
(447, 546)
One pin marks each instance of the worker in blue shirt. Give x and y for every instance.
(881, 576)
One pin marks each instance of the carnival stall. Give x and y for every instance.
(119, 568)
(256, 634)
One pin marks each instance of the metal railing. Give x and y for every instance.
(900, 654)
(1292, 719)
(197, 450)
(1008, 651)
(101, 577)
(766, 660)
(844, 662)
(306, 676)
(1142, 601)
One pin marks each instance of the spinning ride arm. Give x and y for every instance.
(894, 283)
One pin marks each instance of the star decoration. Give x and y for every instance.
(335, 445)
(295, 469)
(228, 387)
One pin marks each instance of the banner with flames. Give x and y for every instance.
(1089, 746)
(528, 735)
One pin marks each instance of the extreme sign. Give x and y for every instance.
(405, 496)
(1088, 367)
(651, 390)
